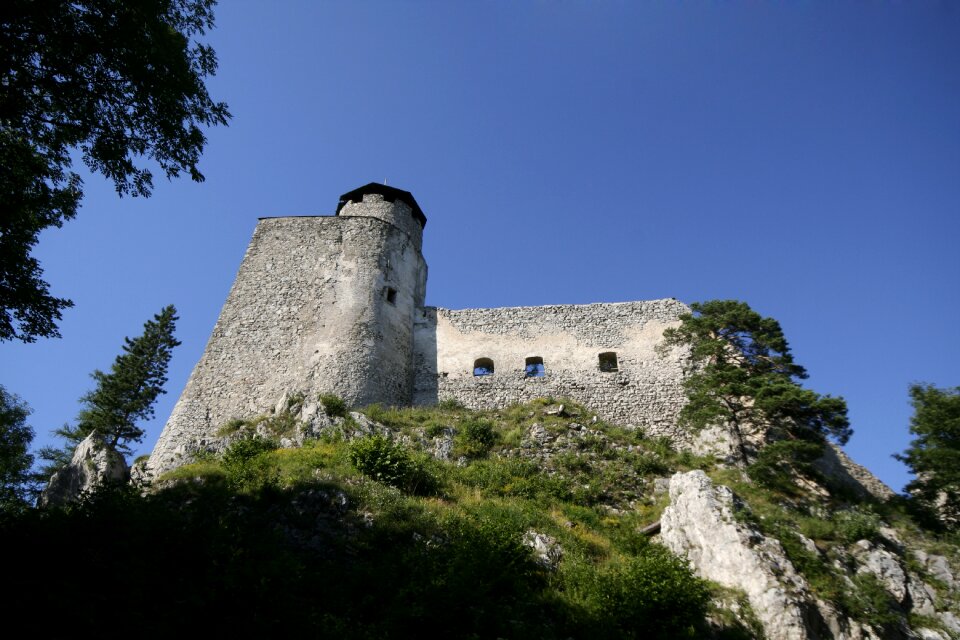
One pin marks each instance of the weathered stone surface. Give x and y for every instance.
(938, 566)
(321, 304)
(837, 465)
(93, 463)
(700, 525)
(885, 566)
(546, 549)
(335, 304)
(644, 391)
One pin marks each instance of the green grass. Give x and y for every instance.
(592, 495)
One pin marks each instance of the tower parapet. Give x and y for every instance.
(395, 206)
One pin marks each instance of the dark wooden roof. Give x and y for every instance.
(390, 194)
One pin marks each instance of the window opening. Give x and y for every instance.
(534, 368)
(483, 367)
(391, 295)
(608, 362)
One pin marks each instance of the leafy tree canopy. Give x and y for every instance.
(114, 82)
(15, 462)
(934, 454)
(743, 375)
(125, 396)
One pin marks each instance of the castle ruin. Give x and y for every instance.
(335, 304)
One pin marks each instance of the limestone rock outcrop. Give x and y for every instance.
(93, 464)
(700, 525)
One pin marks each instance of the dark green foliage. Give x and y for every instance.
(742, 375)
(777, 463)
(296, 543)
(391, 463)
(874, 604)
(652, 592)
(379, 458)
(514, 477)
(475, 438)
(856, 524)
(934, 454)
(450, 404)
(333, 406)
(125, 396)
(15, 461)
(247, 468)
(650, 464)
(114, 82)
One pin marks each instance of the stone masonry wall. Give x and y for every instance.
(308, 312)
(645, 392)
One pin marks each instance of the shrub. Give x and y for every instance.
(246, 466)
(333, 406)
(652, 595)
(435, 430)
(451, 404)
(385, 461)
(475, 438)
(875, 605)
(854, 524)
(648, 464)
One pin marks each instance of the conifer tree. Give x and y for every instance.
(934, 454)
(125, 396)
(15, 461)
(742, 375)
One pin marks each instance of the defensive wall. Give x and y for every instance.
(602, 355)
(335, 304)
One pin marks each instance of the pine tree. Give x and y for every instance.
(15, 461)
(743, 376)
(125, 396)
(934, 454)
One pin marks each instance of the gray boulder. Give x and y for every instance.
(93, 464)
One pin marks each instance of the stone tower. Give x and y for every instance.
(321, 304)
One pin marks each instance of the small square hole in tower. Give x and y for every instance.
(391, 295)
(608, 362)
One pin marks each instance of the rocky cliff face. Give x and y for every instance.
(709, 525)
(93, 464)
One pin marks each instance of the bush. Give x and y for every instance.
(854, 524)
(390, 463)
(475, 438)
(333, 406)
(652, 595)
(246, 466)
(379, 458)
(648, 464)
(451, 404)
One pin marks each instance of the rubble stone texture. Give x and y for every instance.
(335, 304)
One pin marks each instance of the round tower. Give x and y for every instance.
(383, 237)
(321, 304)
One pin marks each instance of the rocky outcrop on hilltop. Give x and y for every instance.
(93, 464)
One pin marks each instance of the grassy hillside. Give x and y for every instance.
(526, 522)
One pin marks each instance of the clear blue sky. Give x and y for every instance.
(803, 157)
